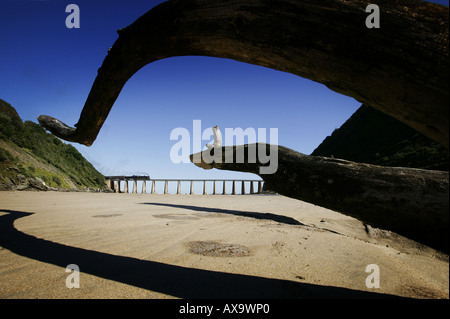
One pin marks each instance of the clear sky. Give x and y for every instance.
(49, 69)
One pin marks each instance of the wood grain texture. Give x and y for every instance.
(400, 68)
(411, 202)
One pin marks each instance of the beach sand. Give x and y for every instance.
(202, 246)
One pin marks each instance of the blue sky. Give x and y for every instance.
(47, 68)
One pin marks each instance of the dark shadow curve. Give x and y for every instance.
(169, 279)
(268, 216)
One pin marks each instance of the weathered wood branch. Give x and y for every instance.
(411, 202)
(400, 68)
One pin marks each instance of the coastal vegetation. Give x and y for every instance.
(27, 152)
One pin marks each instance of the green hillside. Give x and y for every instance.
(28, 153)
(369, 136)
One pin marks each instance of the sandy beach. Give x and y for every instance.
(203, 246)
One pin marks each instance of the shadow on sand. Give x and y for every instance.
(169, 279)
(268, 216)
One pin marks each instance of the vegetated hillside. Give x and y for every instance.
(372, 137)
(30, 155)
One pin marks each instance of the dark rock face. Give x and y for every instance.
(38, 184)
(372, 137)
(400, 69)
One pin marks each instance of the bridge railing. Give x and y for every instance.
(219, 186)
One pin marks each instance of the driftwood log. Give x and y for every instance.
(400, 68)
(411, 202)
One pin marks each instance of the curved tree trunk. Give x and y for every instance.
(400, 68)
(411, 202)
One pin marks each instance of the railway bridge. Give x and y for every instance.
(219, 186)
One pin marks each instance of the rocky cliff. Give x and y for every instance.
(30, 158)
(369, 136)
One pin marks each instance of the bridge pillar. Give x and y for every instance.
(224, 191)
(153, 187)
(179, 188)
(135, 186)
(192, 188)
(243, 188)
(214, 188)
(252, 189)
(234, 188)
(144, 186)
(259, 187)
(204, 187)
(166, 187)
(126, 187)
